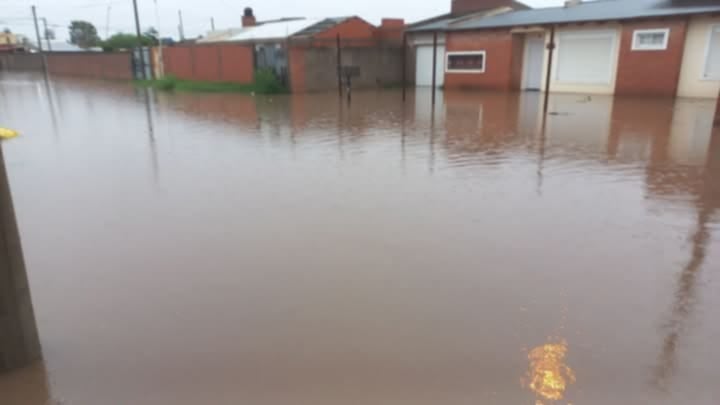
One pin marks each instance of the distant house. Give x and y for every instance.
(282, 46)
(12, 43)
(632, 47)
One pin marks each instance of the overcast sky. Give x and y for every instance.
(16, 15)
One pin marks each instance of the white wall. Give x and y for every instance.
(608, 88)
(692, 83)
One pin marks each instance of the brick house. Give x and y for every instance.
(628, 47)
(301, 51)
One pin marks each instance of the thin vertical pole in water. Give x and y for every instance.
(434, 67)
(339, 64)
(548, 74)
(143, 66)
(404, 65)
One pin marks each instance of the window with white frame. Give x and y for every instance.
(650, 40)
(712, 60)
(465, 62)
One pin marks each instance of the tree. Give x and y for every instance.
(7, 31)
(153, 34)
(123, 40)
(83, 34)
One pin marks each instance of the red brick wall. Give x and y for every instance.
(211, 63)
(518, 53)
(177, 61)
(296, 59)
(238, 64)
(352, 28)
(467, 6)
(115, 65)
(500, 49)
(650, 73)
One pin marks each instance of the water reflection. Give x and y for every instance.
(549, 376)
(307, 251)
(686, 294)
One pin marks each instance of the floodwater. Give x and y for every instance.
(228, 249)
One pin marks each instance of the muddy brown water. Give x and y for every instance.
(228, 249)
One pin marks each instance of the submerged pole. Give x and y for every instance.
(434, 67)
(339, 64)
(404, 65)
(19, 343)
(548, 74)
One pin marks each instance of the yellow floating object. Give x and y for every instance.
(7, 133)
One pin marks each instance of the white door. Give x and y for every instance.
(533, 65)
(424, 62)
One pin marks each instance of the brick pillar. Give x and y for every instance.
(19, 343)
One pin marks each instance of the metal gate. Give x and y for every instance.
(142, 64)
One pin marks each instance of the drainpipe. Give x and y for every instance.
(434, 67)
(548, 75)
(404, 65)
(339, 65)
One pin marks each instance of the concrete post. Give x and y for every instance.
(19, 343)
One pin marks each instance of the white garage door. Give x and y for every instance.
(423, 65)
(712, 65)
(585, 57)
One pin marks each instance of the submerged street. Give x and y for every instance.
(298, 249)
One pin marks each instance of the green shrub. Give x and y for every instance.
(267, 83)
(167, 83)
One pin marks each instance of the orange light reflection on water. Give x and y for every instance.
(548, 376)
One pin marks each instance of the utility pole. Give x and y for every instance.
(161, 63)
(47, 34)
(181, 28)
(212, 23)
(37, 29)
(139, 37)
(39, 41)
(107, 21)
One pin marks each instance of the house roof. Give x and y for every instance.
(601, 10)
(270, 31)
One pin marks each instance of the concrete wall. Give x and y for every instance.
(19, 343)
(315, 68)
(21, 61)
(692, 83)
(650, 72)
(210, 62)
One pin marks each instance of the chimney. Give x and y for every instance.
(391, 29)
(248, 19)
(572, 3)
(460, 7)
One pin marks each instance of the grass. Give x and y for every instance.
(265, 83)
